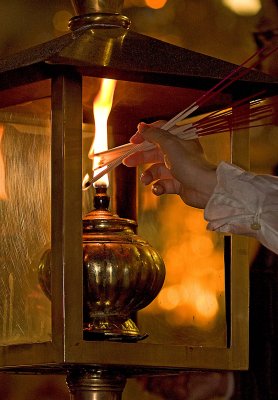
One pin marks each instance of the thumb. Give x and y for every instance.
(156, 135)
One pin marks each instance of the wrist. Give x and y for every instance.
(208, 182)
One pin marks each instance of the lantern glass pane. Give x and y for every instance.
(25, 221)
(190, 309)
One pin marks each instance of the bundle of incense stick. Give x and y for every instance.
(258, 114)
(236, 117)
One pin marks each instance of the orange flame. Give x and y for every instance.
(102, 107)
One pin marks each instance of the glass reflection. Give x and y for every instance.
(25, 226)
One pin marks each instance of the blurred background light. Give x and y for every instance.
(134, 3)
(170, 297)
(155, 3)
(243, 7)
(207, 305)
(61, 19)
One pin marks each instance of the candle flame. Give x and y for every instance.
(86, 179)
(102, 107)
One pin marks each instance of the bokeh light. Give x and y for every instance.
(156, 4)
(195, 274)
(61, 19)
(243, 7)
(207, 305)
(170, 297)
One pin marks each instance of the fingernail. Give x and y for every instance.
(146, 178)
(167, 162)
(157, 190)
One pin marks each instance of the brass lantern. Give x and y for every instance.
(45, 114)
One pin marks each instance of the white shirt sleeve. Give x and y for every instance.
(245, 204)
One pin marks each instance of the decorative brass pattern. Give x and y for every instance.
(122, 274)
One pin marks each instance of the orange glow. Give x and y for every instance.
(202, 245)
(3, 193)
(201, 299)
(102, 107)
(194, 286)
(156, 4)
(195, 222)
(207, 305)
(190, 298)
(169, 297)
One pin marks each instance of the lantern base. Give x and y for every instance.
(90, 384)
(112, 328)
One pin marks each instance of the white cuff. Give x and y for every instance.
(245, 204)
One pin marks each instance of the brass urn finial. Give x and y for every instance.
(122, 273)
(98, 14)
(82, 7)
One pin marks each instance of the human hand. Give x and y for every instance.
(179, 166)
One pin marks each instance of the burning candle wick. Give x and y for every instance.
(101, 198)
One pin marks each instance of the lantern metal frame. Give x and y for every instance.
(52, 62)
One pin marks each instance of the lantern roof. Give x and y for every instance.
(124, 54)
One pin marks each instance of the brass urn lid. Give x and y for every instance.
(102, 220)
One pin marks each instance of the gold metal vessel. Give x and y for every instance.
(122, 274)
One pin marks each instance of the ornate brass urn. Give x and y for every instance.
(122, 274)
